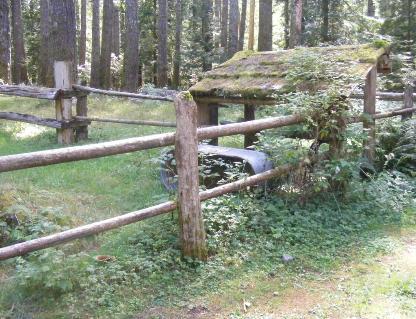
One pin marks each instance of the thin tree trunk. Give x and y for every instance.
(296, 24)
(242, 29)
(371, 8)
(131, 57)
(4, 41)
(286, 14)
(106, 45)
(116, 30)
(224, 24)
(95, 45)
(325, 21)
(83, 33)
(19, 67)
(251, 25)
(62, 39)
(265, 25)
(233, 28)
(176, 80)
(207, 36)
(162, 54)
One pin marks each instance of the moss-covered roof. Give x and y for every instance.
(264, 75)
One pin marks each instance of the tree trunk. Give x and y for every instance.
(4, 41)
(95, 45)
(265, 25)
(131, 56)
(251, 25)
(242, 29)
(233, 28)
(116, 30)
(296, 24)
(19, 68)
(371, 8)
(176, 80)
(83, 33)
(106, 45)
(207, 36)
(162, 54)
(62, 39)
(286, 14)
(325, 21)
(224, 24)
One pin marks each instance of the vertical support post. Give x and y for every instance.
(408, 101)
(213, 120)
(63, 107)
(81, 132)
(370, 110)
(208, 115)
(193, 237)
(249, 115)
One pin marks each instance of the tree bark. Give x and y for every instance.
(207, 36)
(224, 24)
(325, 21)
(19, 68)
(83, 33)
(131, 56)
(265, 25)
(286, 16)
(233, 28)
(62, 39)
(242, 29)
(4, 41)
(106, 45)
(95, 45)
(162, 54)
(251, 25)
(116, 30)
(176, 80)
(296, 24)
(45, 74)
(371, 8)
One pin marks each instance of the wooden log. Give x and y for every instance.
(392, 113)
(408, 101)
(18, 117)
(30, 91)
(124, 121)
(81, 133)
(249, 115)
(123, 94)
(370, 110)
(63, 80)
(193, 237)
(384, 96)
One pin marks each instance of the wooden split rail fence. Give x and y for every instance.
(185, 140)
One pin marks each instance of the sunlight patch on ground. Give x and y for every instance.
(21, 131)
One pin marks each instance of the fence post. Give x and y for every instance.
(408, 101)
(186, 154)
(370, 110)
(249, 115)
(81, 132)
(63, 107)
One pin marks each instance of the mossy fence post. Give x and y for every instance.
(63, 106)
(81, 132)
(193, 237)
(369, 110)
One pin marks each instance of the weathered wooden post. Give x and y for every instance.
(81, 132)
(186, 154)
(370, 110)
(408, 101)
(249, 115)
(208, 115)
(63, 106)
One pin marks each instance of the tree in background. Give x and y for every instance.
(251, 25)
(45, 73)
(131, 56)
(242, 29)
(4, 41)
(106, 45)
(95, 45)
(83, 34)
(265, 42)
(296, 24)
(19, 68)
(224, 24)
(162, 52)
(207, 36)
(176, 78)
(233, 29)
(115, 47)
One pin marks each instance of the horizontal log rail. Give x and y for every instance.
(133, 217)
(122, 94)
(125, 121)
(41, 93)
(48, 122)
(85, 152)
(384, 96)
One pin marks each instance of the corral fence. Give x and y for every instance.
(185, 140)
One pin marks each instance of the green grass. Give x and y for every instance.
(146, 276)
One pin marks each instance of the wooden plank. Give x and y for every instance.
(408, 101)
(123, 94)
(30, 91)
(370, 110)
(63, 107)
(18, 117)
(81, 133)
(193, 237)
(124, 121)
(384, 96)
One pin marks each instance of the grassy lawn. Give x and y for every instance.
(347, 252)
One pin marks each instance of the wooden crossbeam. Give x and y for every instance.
(48, 122)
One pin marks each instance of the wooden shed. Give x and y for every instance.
(261, 78)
